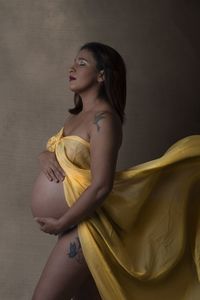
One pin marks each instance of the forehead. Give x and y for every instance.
(84, 53)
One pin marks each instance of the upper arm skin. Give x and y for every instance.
(105, 141)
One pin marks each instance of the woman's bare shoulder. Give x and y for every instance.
(103, 113)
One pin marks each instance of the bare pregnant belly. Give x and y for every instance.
(47, 198)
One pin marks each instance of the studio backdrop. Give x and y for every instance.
(159, 41)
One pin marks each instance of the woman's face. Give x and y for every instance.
(84, 71)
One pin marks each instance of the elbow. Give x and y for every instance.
(100, 193)
(102, 189)
(108, 188)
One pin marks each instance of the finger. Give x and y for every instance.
(62, 172)
(43, 228)
(59, 169)
(48, 176)
(40, 221)
(59, 175)
(52, 174)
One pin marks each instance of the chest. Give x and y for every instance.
(77, 125)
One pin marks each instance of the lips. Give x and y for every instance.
(71, 78)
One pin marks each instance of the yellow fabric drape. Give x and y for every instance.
(143, 242)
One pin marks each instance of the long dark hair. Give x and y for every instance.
(113, 88)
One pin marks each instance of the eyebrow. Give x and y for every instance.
(81, 58)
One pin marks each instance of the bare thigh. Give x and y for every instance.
(65, 272)
(88, 291)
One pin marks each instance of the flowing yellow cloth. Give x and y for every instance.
(143, 242)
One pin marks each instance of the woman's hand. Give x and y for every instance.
(49, 225)
(50, 166)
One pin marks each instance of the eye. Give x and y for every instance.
(82, 63)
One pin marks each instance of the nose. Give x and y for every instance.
(72, 68)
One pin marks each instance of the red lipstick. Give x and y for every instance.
(71, 78)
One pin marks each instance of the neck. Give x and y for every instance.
(89, 100)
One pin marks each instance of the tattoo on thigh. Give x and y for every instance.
(75, 251)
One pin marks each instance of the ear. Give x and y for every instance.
(101, 76)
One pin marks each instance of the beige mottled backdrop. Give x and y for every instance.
(159, 41)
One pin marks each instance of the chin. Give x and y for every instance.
(76, 90)
(73, 88)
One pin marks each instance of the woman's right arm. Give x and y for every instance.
(48, 161)
(50, 166)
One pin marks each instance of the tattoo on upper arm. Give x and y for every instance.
(97, 118)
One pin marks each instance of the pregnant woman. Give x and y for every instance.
(95, 122)
(127, 235)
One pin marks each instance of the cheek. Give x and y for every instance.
(87, 76)
(86, 79)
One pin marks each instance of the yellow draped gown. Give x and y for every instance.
(143, 242)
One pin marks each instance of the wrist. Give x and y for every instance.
(62, 225)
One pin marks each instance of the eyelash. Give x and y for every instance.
(81, 63)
